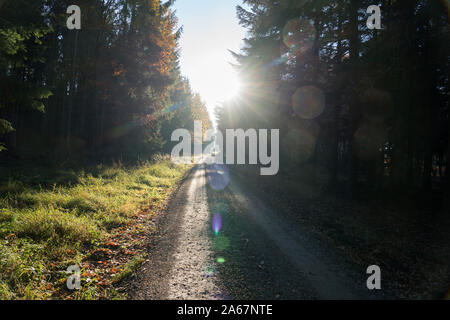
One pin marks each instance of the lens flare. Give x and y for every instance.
(221, 260)
(172, 108)
(209, 270)
(283, 59)
(216, 223)
(308, 102)
(221, 243)
(299, 36)
(218, 176)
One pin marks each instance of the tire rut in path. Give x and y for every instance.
(182, 250)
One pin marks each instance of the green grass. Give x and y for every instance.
(50, 218)
(131, 267)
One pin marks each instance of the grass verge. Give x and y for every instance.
(97, 219)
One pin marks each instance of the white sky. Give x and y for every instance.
(210, 29)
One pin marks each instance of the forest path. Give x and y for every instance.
(266, 257)
(182, 251)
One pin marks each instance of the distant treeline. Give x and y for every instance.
(112, 89)
(357, 109)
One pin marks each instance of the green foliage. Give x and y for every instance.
(53, 217)
(101, 98)
(5, 126)
(22, 30)
(130, 268)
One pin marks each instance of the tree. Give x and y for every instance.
(105, 88)
(382, 114)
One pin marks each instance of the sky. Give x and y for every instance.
(210, 29)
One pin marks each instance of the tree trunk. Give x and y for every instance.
(354, 107)
(447, 176)
(334, 156)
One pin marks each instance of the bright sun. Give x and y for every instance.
(223, 87)
(215, 80)
(232, 86)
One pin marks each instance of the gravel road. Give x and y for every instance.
(182, 252)
(266, 257)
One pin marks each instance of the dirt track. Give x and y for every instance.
(266, 257)
(181, 251)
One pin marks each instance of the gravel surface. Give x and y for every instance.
(188, 279)
(181, 251)
(265, 257)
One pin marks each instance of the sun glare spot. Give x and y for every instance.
(234, 88)
(228, 86)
